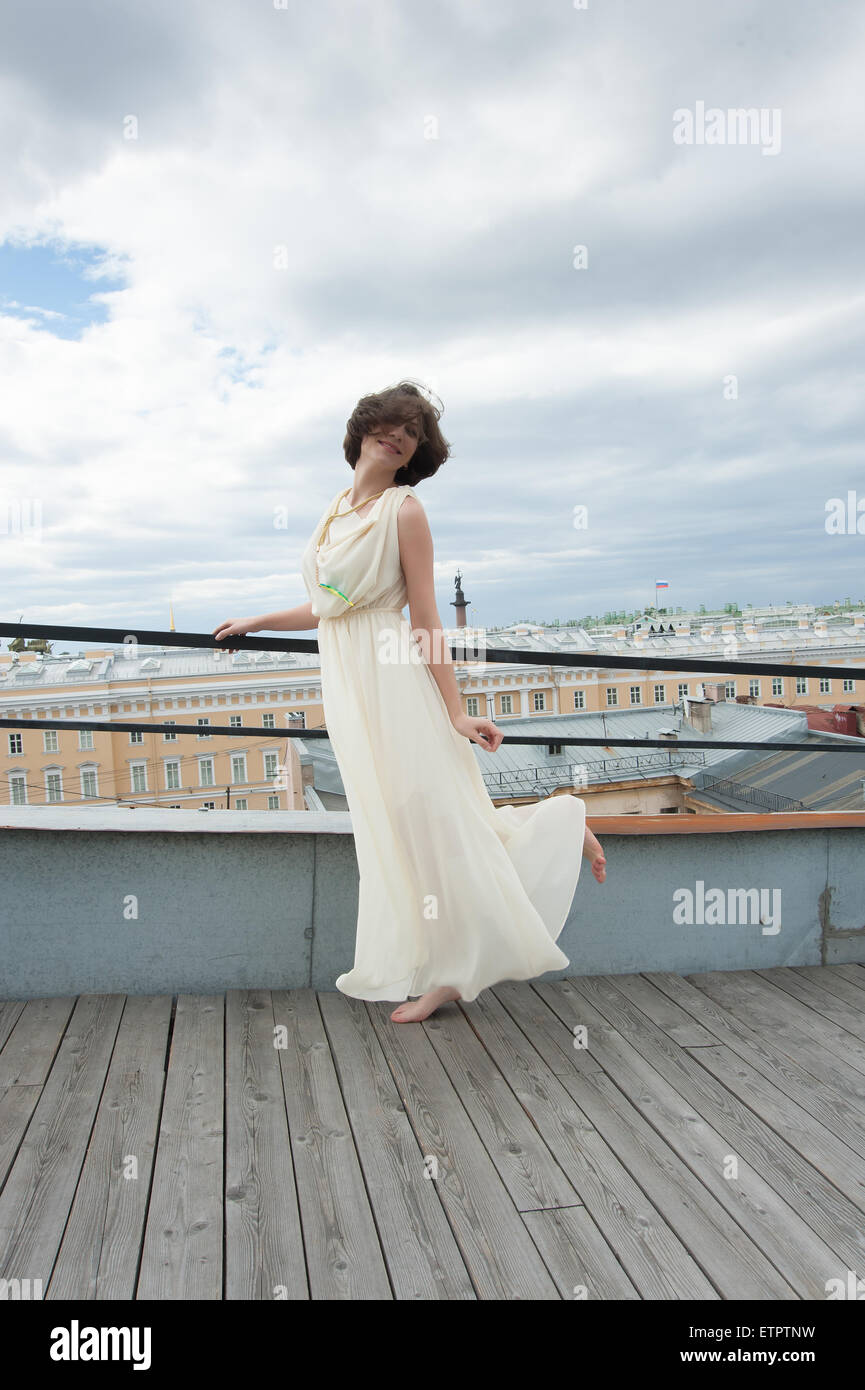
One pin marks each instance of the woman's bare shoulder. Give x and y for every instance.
(410, 508)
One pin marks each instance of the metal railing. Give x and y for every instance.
(461, 652)
(772, 801)
(552, 777)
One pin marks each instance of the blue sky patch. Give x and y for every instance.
(53, 285)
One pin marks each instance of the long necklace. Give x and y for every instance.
(326, 528)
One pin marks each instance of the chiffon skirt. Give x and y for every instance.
(453, 890)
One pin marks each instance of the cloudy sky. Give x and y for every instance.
(223, 221)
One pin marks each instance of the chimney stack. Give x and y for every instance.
(700, 715)
(714, 691)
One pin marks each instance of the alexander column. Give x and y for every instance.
(460, 603)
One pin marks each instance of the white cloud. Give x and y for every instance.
(219, 386)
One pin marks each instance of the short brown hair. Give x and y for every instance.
(397, 405)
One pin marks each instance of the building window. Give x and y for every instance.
(754, 689)
(825, 685)
(89, 784)
(271, 766)
(554, 750)
(85, 738)
(579, 699)
(660, 695)
(540, 700)
(612, 695)
(729, 690)
(208, 805)
(202, 724)
(777, 685)
(849, 686)
(15, 744)
(139, 777)
(241, 804)
(54, 786)
(635, 695)
(172, 776)
(235, 721)
(801, 685)
(205, 772)
(136, 736)
(507, 704)
(238, 767)
(273, 803)
(17, 789)
(682, 690)
(49, 741)
(169, 738)
(269, 720)
(472, 704)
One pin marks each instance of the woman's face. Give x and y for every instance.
(392, 443)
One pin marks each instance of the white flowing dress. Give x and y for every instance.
(453, 890)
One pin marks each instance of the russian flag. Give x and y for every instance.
(661, 584)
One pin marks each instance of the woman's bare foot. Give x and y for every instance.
(413, 1010)
(593, 852)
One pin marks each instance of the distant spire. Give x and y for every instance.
(171, 627)
(460, 603)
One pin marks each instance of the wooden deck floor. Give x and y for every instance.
(708, 1142)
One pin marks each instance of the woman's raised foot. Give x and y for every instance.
(593, 852)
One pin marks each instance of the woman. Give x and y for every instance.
(455, 894)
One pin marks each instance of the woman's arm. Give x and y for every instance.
(300, 619)
(416, 558)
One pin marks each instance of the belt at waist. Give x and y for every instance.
(350, 612)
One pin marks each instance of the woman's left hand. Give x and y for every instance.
(481, 731)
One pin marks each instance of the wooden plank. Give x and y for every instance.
(35, 1201)
(553, 1042)
(31, 1046)
(650, 1135)
(655, 1260)
(840, 1164)
(524, 1163)
(495, 1244)
(577, 1256)
(810, 1225)
(182, 1253)
(344, 1259)
(785, 1006)
(422, 1257)
(264, 1256)
(17, 1104)
(734, 1262)
(752, 1000)
(10, 1012)
(784, 1075)
(677, 1023)
(98, 1258)
(847, 981)
(826, 1003)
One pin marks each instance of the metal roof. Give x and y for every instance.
(152, 663)
(820, 781)
(527, 769)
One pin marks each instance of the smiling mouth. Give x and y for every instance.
(387, 444)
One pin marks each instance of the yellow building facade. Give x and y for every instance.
(50, 764)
